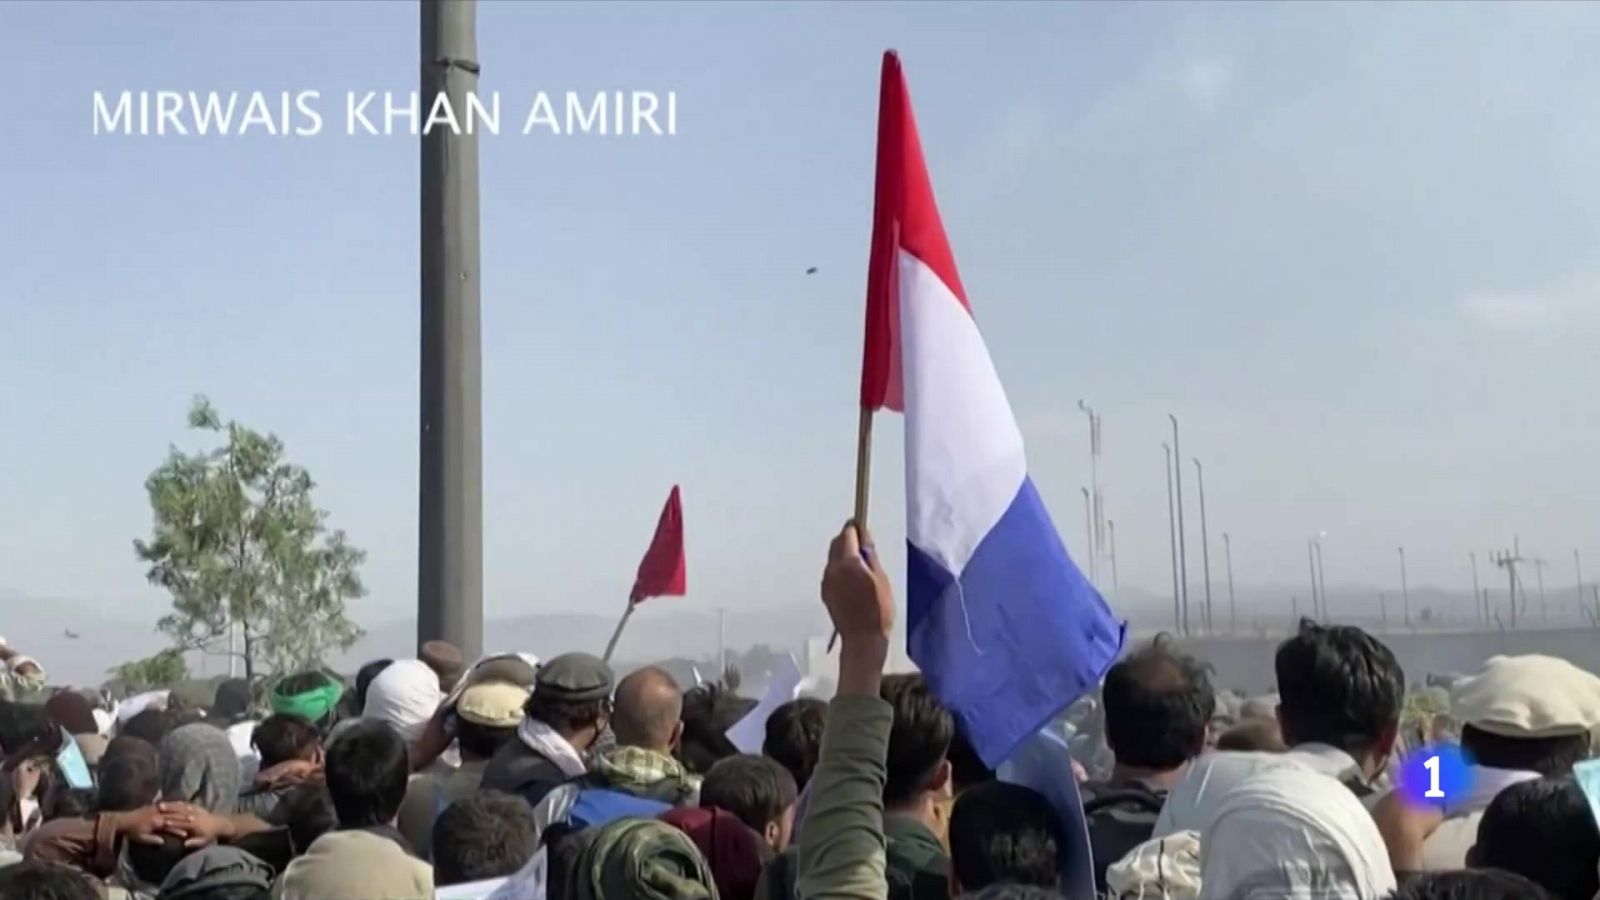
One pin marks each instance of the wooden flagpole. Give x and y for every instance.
(622, 623)
(863, 482)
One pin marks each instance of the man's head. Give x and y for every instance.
(1157, 704)
(758, 791)
(367, 770)
(151, 726)
(918, 742)
(794, 736)
(284, 737)
(486, 835)
(1253, 735)
(128, 779)
(487, 716)
(153, 862)
(364, 678)
(308, 812)
(572, 694)
(1340, 686)
(444, 658)
(1543, 830)
(36, 880)
(1532, 713)
(1484, 884)
(1004, 833)
(313, 696)
(648, 711)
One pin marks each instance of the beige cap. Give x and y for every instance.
(1528, 697)
(493, 704)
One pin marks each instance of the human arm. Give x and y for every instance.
(199, 827)
(841, 852)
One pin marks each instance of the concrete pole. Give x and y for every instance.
(1172, 535)
(450, 488)
(1205, 538)
(1233, 609)
(1183, 553)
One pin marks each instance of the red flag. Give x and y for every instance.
(661, 572)
(904, 217)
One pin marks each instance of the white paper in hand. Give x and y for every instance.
(750, 732)
(527, 884)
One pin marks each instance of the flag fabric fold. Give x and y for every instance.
(1000, 620)
(662, 571)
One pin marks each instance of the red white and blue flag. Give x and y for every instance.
(999, 619)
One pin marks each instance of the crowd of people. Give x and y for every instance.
(509, 778)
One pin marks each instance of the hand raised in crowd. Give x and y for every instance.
(142, 826)
(855, 588)
(196, 825)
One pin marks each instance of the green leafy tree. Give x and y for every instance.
(238, 543)
(163, 670)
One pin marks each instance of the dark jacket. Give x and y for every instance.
(915, 865)
(518, 769)
(1120, 817)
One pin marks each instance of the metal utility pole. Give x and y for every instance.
(1322, 579)
(1097, 509)
(1477, 595)
(1577, 562)
(1509, 561)
(1311, 561)
(1172, 536)
(450, 487)
(1183, 553)
(1088, 528)
(1111, 532)
(1405, 589)
(1205, 537)
(1233, 609)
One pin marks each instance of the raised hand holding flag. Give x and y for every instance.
(662, 572)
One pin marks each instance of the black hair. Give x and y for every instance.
(150, 726)
(231, 892)
(794, 736)
(367, 769)
(967, 768)
(1337, 685)
(565, 716)
(35, 880)
(364, 679)
(1157, 704)
(284, 736)
(128, 781)
(486, 835)
(1481, 884)
(22, 724)
(154, 862)
(481, 741)
(705, 739)
(66, 802)
(919, 739)
(1002, 832)
(307, 810)
(1543, 830)
(754, 788)
(1551, 757)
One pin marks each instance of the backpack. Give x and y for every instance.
(1119, 819)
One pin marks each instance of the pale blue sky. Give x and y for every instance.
(1354, 247)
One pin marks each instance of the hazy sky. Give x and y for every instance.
(1353, 247)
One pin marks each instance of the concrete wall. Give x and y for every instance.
(1245, 663)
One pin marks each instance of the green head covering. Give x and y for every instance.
(640, 859)
(312, 703)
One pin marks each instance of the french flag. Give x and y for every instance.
(1001, 622)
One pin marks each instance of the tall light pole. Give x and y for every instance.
(450, 483)
(1311, 563)
(1405, 590)
(1577, 563)
(1183, 553)
(1111, 533)
(1172, 536)
(1322, 579)
(1205, 537)
(1088, 528)
(1095, 538)
(1233, 610)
